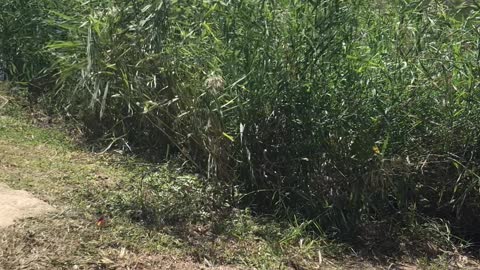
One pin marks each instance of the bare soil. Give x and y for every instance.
(18, 204)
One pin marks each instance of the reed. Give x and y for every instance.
(344, 112)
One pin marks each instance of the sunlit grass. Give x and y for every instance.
(83, 186)
(342, 114)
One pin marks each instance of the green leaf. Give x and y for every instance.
(230, 138)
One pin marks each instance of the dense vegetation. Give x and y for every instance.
(359, 115)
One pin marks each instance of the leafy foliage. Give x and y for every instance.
(346, 112)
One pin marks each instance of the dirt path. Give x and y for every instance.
(18, 204)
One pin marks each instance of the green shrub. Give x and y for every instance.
(347, 112)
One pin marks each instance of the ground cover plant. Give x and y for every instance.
(359, 117)
(140, 230)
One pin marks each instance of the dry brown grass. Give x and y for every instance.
(68, 241)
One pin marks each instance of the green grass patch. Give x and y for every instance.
(152, 212)
(166, 212)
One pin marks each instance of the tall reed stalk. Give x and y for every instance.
(346, 112)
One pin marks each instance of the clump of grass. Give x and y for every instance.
(347, 113)
(84, 186)
(165, 197)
